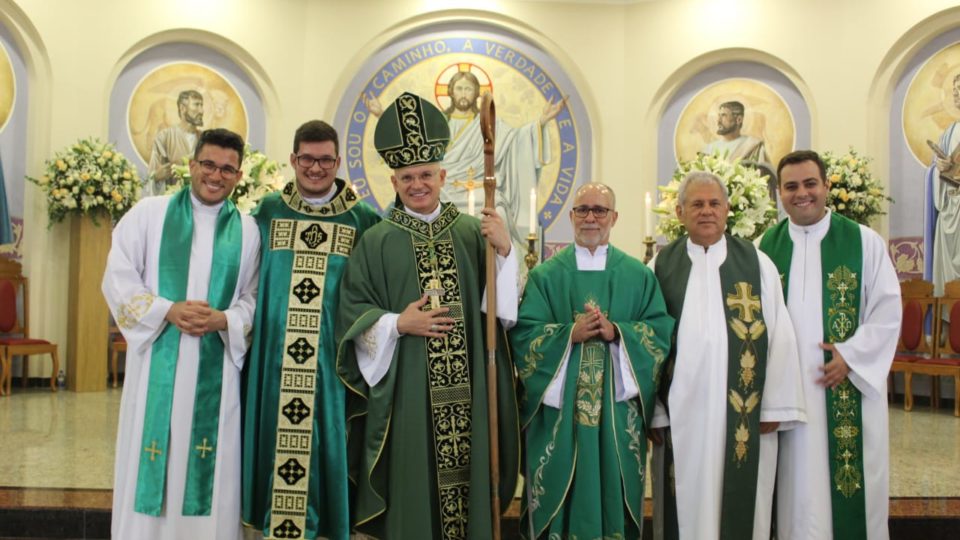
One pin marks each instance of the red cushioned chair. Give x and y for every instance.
(946, 361)
(15, 337)
(918, 301)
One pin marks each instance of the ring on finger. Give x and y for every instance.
(433, 328)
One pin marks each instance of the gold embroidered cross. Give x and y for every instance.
(744, 301)
(457, 434)
(203, 448)
(434, 291)
(153, 450)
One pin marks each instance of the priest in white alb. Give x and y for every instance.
(181, 283)
(732, 379)
(844, 298)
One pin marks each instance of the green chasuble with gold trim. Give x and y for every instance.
(418, 440)
(294, 452)
(585, 462)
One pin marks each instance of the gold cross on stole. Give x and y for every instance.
(744, 301)
(153, 450)
(434, 291)
(203, 448)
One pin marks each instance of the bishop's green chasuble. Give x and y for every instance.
(746, 358)
(841, 262)
(419, 438)
(294, 450)
(585, 462)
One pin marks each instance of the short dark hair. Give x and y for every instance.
(223, 138)
(187, 95)
(316, 131)
(733, 106)
(799, 156)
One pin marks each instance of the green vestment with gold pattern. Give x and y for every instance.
(585, 462)
(418, 440)
(294, 451)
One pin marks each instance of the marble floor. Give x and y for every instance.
(56, 451)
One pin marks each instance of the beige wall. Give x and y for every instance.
(626, 59)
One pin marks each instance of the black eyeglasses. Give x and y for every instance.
(226, 172)
(307, 161)
(599, 212)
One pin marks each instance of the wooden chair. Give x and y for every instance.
(15, 337)
(946, 361)
(117, 345)
(918, 302)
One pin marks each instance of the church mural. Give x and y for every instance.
(924, 148)
(543, 133)
(748, 110)
(744, 118)
(13, 130)
(167, 94)
(171, 105)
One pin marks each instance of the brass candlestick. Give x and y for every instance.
(648, 254)
(531, 258)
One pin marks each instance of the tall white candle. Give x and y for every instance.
(471, 202)
(533, 210)
(648, 204)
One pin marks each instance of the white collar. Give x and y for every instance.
(719, 245)
(425, 217)
(203, 207)
(323, 199)
(591, 261)
(819, 228)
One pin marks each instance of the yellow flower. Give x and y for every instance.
(90, 190)
(844, 196)
(106, 154)
(126, 175)
(61, 165)
(116, 196)
(85, 176)
(852, 163)
(834, 178)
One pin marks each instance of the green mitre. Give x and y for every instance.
(411, 131)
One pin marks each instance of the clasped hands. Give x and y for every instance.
(592, 324)
(196, 318)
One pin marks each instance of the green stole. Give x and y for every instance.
(841, 262)
(448, 371)
(747, 343)
(174, 269)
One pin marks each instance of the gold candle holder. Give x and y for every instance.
(648, 254)
(531, 258)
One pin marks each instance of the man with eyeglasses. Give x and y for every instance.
(732, 378)
(592, 335)
(413, 352)
(294, 452)
(181, 282)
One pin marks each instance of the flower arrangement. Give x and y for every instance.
(854, 192)
(751, 210)
(87, 177)
(261, 176)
